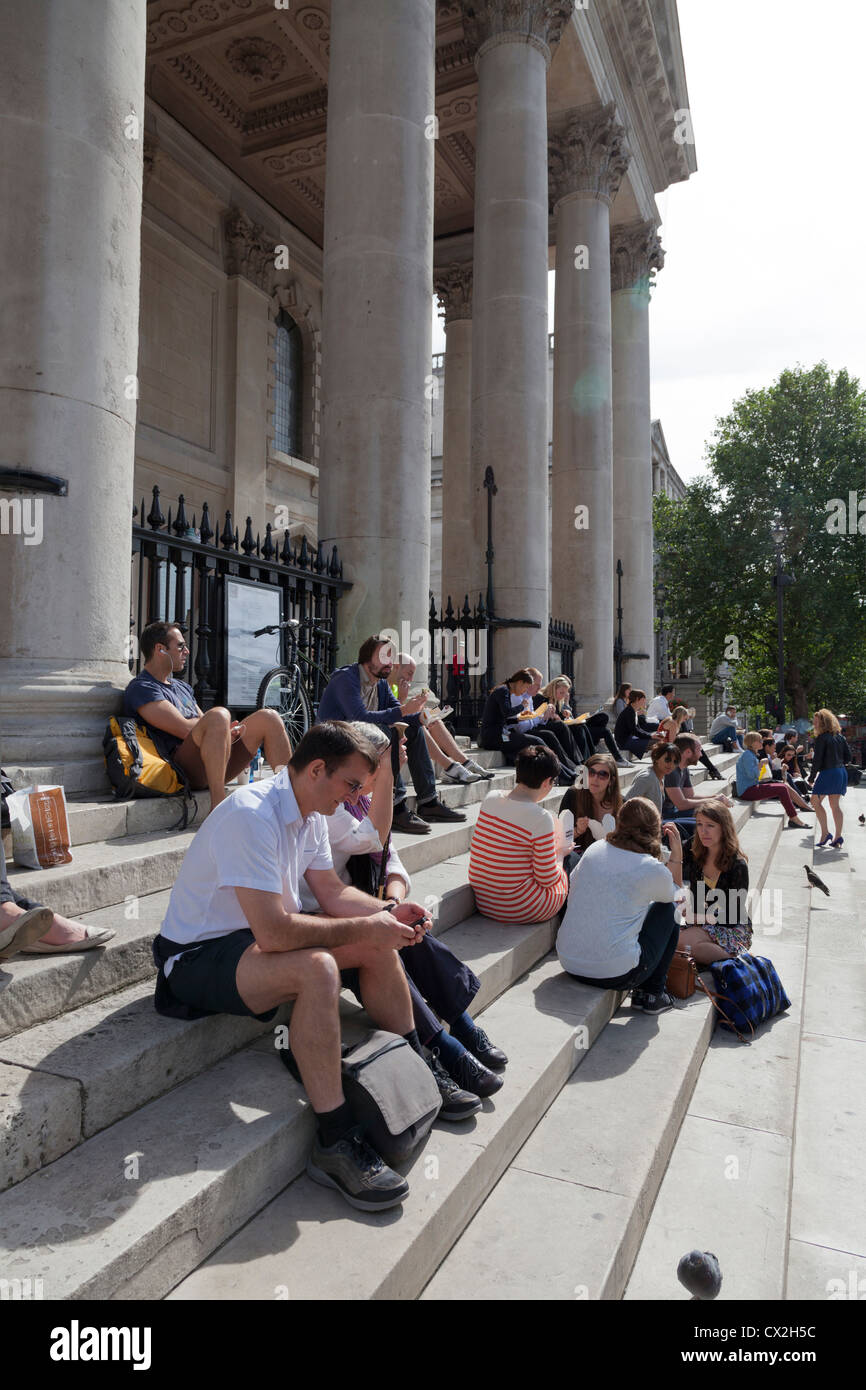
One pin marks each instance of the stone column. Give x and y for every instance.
(509, 315)
(461, 563)
(249, 262)
(378, 258)
(72, 116)
(635, 253)
(588, 161)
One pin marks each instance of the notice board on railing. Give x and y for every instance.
(247, 607)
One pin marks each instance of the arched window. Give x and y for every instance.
(288, 386)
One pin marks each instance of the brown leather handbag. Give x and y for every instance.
(682, 975)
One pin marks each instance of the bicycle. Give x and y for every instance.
(283, 688)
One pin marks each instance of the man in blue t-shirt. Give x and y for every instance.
(211, 748)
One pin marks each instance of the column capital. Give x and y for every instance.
(536, 22)
(246, 249)
(635, 252)
(453, 286)
(588, 156)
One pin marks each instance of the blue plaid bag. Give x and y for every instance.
(750, 988)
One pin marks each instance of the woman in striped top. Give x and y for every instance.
(515, 862)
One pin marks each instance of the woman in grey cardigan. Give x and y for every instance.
(649, 782)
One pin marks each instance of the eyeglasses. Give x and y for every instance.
(599, 772)
(354, 787)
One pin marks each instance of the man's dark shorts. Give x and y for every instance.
(205, 976)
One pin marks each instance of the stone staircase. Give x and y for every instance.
(147, 1157)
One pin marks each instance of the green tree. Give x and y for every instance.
(796, 450)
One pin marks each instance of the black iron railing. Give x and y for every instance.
(461, 666)
(179, 575)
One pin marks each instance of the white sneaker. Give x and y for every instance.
(485, 773)
(458, 773)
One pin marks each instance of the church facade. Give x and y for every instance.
(225, 222)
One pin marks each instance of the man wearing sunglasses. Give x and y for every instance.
(236, 940)
(211, 748)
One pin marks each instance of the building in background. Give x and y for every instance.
(223, 227)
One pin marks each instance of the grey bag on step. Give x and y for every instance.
(392, 1092)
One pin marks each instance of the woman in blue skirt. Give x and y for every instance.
(830, 753)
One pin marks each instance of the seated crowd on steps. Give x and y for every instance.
(292, 889)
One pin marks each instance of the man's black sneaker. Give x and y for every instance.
(476, 1041)
(437, 810)
(456, 1103)
(357, 1172)
(408, 823)
(468, 1072)
(651, 1003)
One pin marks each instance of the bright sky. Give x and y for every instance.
(765, 243)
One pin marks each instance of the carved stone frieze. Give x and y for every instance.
(462, 148)
(453, 286)
(247, 251)
(256, 58)
(312, 192)
(192, 18)
(635, 253)
(298, 160)
(194, 74)
(538, 21)
(588, 155)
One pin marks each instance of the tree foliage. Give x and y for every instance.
(797, 450)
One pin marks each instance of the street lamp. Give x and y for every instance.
(779, 533)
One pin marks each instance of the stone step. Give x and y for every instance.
(41, 987)
(132, 1210)
(727, 1188)
(308, 1244)
(99, 818)
(567, 1218)
(117, 1054)
(107, 872)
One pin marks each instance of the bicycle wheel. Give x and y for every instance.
(283, 690)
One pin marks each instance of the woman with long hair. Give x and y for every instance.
(507, 724)
(751, 788)
(830, 753)
(619, 930)
(600, 796)
(634, 733)
(620, 699)
(717, 875)
(592, 730)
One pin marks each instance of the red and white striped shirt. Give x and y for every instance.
(513, 866)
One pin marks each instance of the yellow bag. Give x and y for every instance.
(136, 769)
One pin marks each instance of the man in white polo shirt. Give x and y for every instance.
(660, 707)
(234, 939)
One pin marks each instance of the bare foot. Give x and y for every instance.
(63, 932)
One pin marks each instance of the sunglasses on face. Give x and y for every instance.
(599, 772)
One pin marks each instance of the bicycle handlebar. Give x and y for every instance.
(293, 624)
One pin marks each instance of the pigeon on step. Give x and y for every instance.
(815, 881)
(699, 1272)
(862, 819)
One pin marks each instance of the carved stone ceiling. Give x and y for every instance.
(249, 80)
